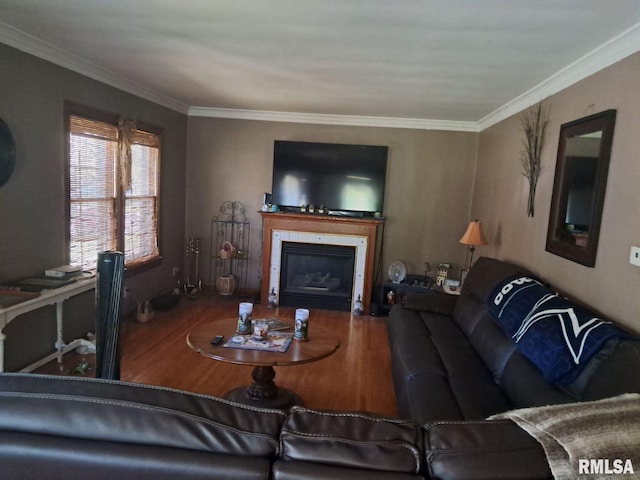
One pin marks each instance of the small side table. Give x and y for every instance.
(55, 297)
(387, 294)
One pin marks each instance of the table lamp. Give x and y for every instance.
(472, 237)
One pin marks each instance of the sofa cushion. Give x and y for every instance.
(351, 440)
(496, 449)
(418, 352)
(525, 386)
(433, 302)
(620, 373)
(294, 470)
(437, 373)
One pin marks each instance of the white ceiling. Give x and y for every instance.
(453, 64)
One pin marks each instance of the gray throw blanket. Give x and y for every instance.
(586, 440)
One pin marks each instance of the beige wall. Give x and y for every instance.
(33, 201)
(500, 195)
(428, 191)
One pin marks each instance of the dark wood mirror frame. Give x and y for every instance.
(579, 186)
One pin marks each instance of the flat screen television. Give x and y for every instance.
(345, 179)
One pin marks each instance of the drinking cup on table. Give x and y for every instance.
(302, 324)
(244, 318)
(260, 330)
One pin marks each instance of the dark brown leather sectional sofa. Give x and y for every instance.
(452, 368)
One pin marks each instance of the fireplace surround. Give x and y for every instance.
(357, 234)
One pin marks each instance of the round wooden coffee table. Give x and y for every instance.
(263, 392)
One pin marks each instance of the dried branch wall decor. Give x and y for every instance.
(534, 124)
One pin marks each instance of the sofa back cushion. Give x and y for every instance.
(352, 440)
(485, 275)
(106, 410)
(606, 377)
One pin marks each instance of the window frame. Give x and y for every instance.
(93, 114)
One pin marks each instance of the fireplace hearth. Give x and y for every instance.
(317, 275)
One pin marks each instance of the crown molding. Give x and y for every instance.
(621, 46)
(325, 119)
(625, 44)
(28, 43)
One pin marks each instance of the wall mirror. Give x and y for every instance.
(579, 187)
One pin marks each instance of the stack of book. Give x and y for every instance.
(52, 278)
(65, 271)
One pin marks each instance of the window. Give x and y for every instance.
(114, 171)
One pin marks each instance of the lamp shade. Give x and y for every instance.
(474, 234)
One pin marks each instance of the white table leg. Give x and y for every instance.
(59, 340)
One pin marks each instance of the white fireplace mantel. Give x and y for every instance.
(358, 242)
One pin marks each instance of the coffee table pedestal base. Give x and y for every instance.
(264, 392)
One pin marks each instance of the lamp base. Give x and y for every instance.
(471, 249)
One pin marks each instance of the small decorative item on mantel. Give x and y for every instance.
(272, 299)
(358, 307)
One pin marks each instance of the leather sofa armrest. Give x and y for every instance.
(439, 303)
(496, 449)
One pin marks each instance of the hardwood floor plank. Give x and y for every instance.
(355, 378)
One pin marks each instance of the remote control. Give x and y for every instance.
(217, 340)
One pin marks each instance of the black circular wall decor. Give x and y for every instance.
(7, 152)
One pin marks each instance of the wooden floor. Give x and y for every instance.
(356, 378)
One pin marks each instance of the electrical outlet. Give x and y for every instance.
(634, 258)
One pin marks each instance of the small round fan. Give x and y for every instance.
(397, 271)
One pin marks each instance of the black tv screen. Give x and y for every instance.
(342, 178)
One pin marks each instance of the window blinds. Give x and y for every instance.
(103, 216)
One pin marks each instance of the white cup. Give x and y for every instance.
(302, 324)
(244, 318)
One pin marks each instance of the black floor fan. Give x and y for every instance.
(108, 304)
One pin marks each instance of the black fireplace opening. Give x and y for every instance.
(317, 276)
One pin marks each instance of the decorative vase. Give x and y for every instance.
(226, 284)
(145, 311)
